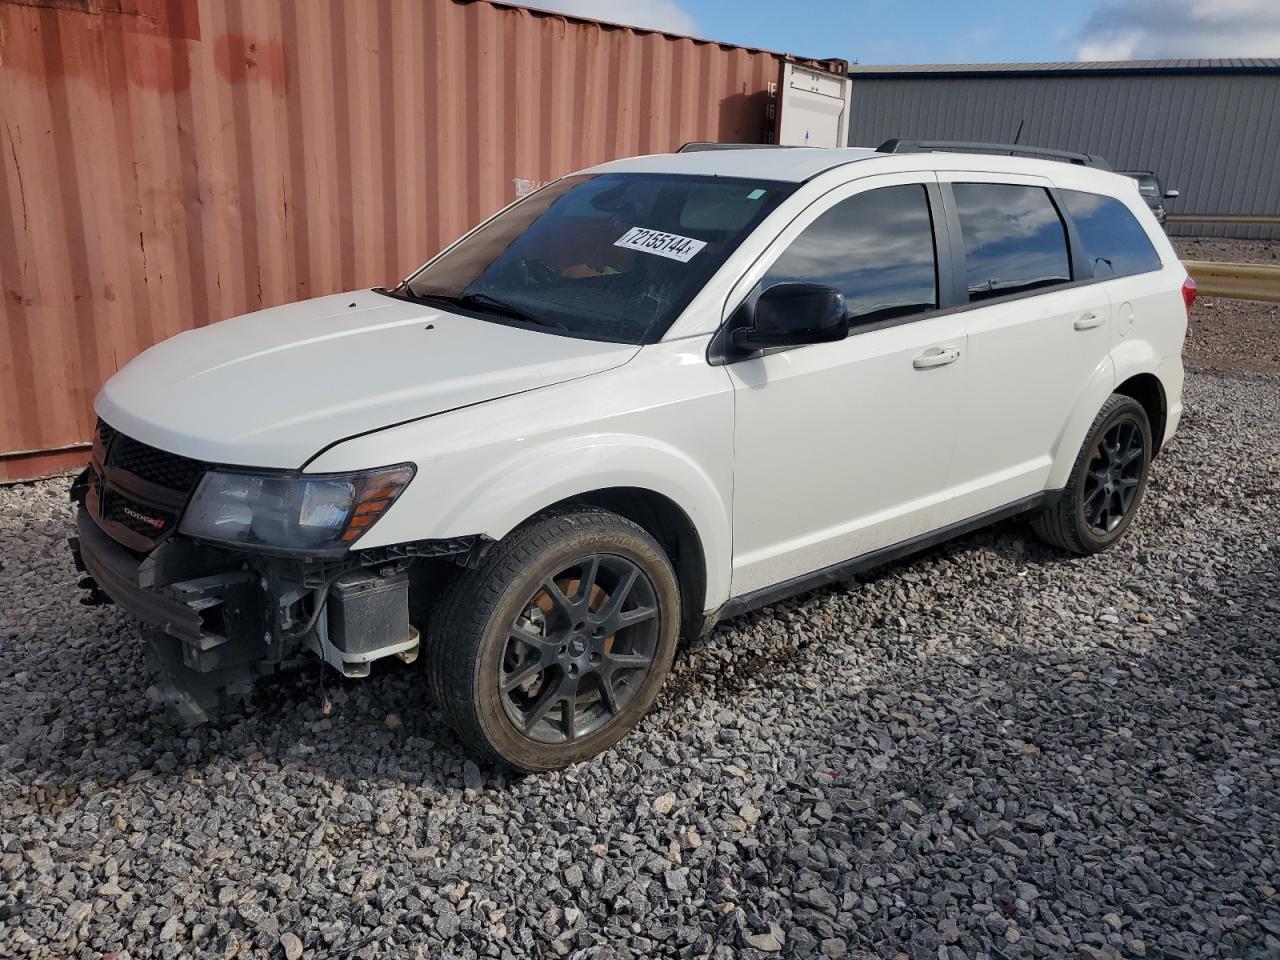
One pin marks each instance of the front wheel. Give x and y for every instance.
(1107, 482)
(556, 646)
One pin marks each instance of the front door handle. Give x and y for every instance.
(936, 357)
(1087, 321)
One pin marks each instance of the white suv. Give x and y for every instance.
(648, 396)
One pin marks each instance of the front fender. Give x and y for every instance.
(502, 498)
(662, 423)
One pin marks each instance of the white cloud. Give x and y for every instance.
(662, 15)
(1118, 47)
(1153, 29)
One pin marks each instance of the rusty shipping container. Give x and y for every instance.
(168, 163)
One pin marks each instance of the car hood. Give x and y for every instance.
(273, 388)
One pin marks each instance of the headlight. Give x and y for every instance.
(307, 512)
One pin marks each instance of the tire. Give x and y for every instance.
(1107, 481)
(506, 650)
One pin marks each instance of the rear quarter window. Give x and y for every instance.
(1114, 242)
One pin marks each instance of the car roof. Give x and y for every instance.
(793, 164)
(799, 164)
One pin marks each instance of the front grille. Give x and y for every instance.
(105, 433)
(141, 492)
(167, 470)
(102, 437)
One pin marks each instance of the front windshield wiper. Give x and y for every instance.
(496, 304)
(485, 302)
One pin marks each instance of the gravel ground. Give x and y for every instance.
(1232, 336)
(992, 750)
(1227, 250)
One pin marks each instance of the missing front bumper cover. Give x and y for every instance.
(224, 611)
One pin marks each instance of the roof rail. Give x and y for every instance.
(701, 146)
(899, 145)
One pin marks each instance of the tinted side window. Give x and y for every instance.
(1014, 240)
(1114, 242)
(876, 248)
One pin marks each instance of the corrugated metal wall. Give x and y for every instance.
(168, 163)
(1214, 138)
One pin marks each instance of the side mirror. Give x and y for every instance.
(1170, 194)
(793, 314)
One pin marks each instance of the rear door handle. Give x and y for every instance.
(1087, 321)
(936, 357)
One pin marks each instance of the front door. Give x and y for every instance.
(843, 448)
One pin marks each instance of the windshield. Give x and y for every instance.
(612, 257)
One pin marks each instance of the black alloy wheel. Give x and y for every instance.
(580, 649)
(1107, 481)
(1115, 472)
(556, 645)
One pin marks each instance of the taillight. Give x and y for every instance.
(1189, 294)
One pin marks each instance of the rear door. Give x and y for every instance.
(843, 448)
(1038, 329)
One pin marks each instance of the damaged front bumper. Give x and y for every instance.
(223, 618)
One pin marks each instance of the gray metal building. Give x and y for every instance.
(1208, 128)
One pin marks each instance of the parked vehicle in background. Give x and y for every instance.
(1153, 192)
(646, 397)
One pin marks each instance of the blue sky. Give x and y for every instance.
(962, 31)
(897, 31)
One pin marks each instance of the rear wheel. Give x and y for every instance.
(558, 644)
(1107, 482)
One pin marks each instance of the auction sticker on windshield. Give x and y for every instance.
(670, 245)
